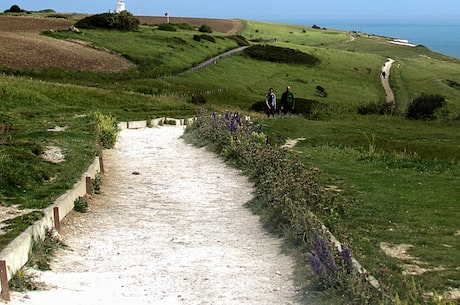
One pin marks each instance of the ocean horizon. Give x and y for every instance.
(438, 35)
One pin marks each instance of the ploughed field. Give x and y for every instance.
(22, 46)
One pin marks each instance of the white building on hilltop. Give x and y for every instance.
(120, 6)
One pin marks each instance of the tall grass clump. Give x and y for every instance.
(106, 129)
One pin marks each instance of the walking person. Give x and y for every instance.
(270, 102)
(287, 101)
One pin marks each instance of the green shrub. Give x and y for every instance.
(123, 21)
(240, 40)
(425, 106)
(80, 205)
(204, 37)
(106, 129)
(184, 26)
(374, 108)
(198, 99)
(205, 29)
(167, 27)
(281, 55)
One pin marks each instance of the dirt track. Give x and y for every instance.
(169, 228)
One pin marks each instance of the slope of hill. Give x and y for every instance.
(350, 149)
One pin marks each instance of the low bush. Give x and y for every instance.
(204, 37)
(281, 55)
(205, 29)
(374, 108)
(425, 106)
(240, 40)
(197, 99)
(123, 21)
(167, 27)
(80, 205)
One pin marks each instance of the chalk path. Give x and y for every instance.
(170, 227)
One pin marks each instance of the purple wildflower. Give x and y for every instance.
(316, 265)
(347, 258)
(321, 247)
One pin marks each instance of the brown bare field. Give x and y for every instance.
(22, 46)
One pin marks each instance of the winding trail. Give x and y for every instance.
(170, 227)
(214, 59)
(385, 76)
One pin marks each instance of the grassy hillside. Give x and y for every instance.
(396, 180)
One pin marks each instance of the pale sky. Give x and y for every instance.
(258, 9)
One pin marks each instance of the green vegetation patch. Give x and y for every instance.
(281, 55)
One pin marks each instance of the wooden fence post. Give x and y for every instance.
(57, 222)
(101, 164)
(4, 280)
(89, 186)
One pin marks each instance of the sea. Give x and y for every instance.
(438, 34)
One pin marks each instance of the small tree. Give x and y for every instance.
(14, 9)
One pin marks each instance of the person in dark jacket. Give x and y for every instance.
(287, 101)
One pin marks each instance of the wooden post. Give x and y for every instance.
(4, 280)
(101, 164)
(57, 222)
(89, 186)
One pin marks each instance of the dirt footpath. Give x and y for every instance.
(169, 228)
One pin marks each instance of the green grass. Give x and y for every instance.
(394, 195)
(399, 178)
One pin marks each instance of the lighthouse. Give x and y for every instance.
(120, 6)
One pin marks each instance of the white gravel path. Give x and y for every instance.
(170, 227)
